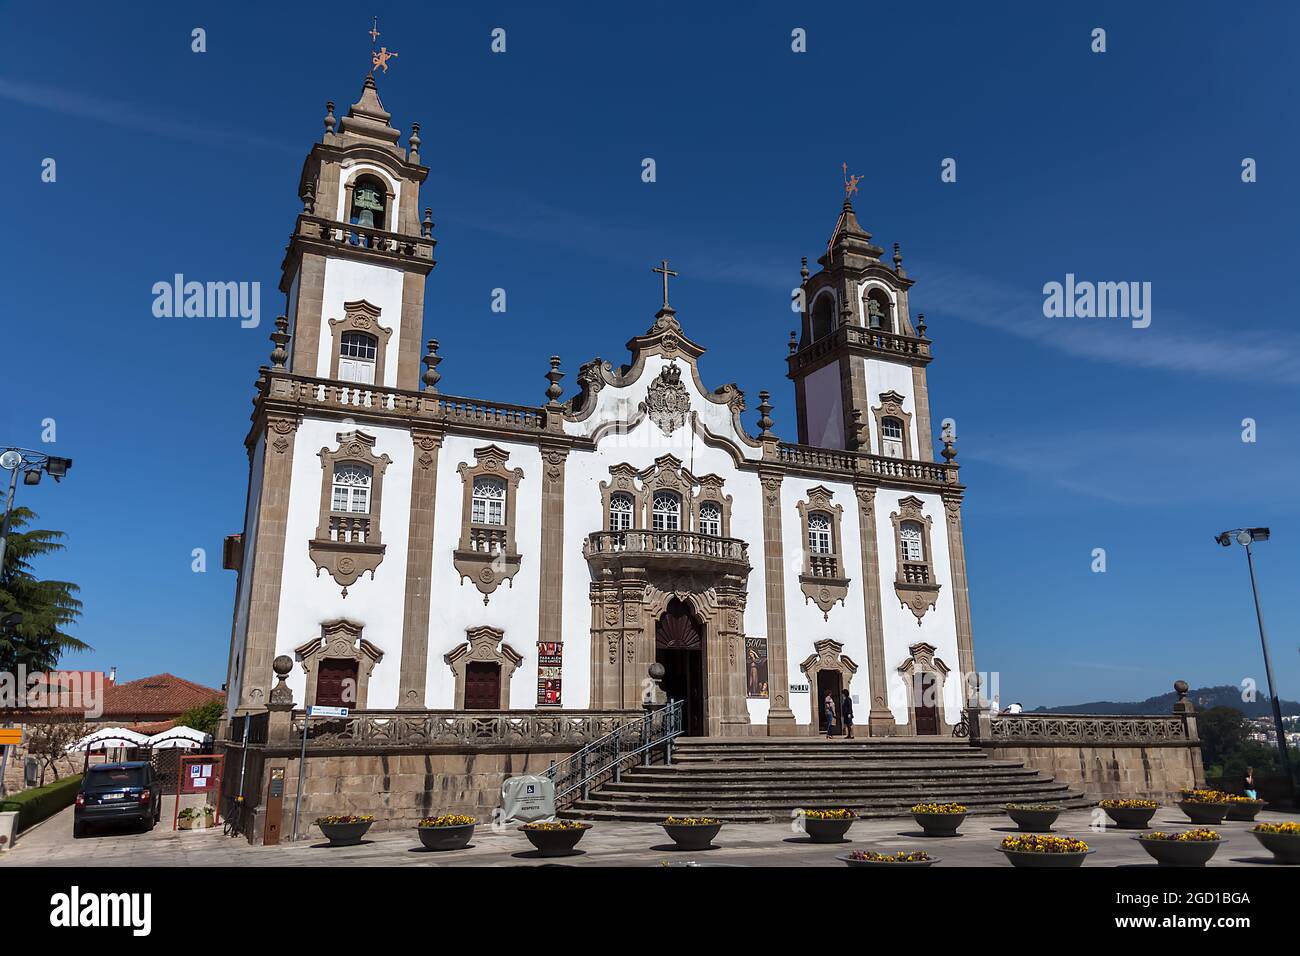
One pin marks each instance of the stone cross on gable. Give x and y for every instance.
(665, 272)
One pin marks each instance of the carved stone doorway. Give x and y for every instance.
(829, 682)
(924, 693)
(679, 647)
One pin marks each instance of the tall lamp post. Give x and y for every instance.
(31, 464)
(1245, 537)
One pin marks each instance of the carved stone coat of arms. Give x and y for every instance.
(667, 401)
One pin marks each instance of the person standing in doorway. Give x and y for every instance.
(846, 713)
(828, 714)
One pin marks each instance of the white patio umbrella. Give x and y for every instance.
(111, 738)
(179, 738)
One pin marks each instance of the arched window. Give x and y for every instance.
(357, 352)
(711, 519)
(912, 538)
(823, 316)
(819, 533)
(880, 311)
(351, 488)
(620, 512)
(488, 503)
(369, 203)
(891, 437)
(667, 512)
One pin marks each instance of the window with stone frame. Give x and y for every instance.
(666, 514)
(823, 579)
(893, 426)
(348, 542)
(891, 437)
(914, 581)
(823, 316)
(360, 344)
(487, 554)
(621, 510)
(710, 519)
(357, 354)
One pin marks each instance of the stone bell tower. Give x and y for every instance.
(859, 361)
(355, 266)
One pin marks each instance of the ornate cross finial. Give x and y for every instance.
(378, 58)
(850, 182)
(374, 34)
(665, 272)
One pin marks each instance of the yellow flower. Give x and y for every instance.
(447, 820)
(1291, 828)
(840, 814)
(939, 808)
(345, 818)
(1042, 843)
(1128, 804)
(556, 825)
(1187, 836)
(691, 821)
(902, 856)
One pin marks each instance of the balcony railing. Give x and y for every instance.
(674, 544)
(560, 729)
(1087, 728)
(860, 463)
(364, 237)
(855, 336)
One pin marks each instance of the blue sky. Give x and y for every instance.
(1074, 434)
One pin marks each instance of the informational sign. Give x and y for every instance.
(11, 735)
(527, 799)
(756, 667)
(550, 658)
(327, 711)
(799, 688)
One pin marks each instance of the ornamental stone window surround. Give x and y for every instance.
(483, 645)
(359, 316)
(487, 553)
(914, 580)
(349, 543)
(921, 659)
(822, 580)
(891, 406)
(339, 640)
(828, 656)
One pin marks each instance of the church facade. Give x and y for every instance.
(412, 550)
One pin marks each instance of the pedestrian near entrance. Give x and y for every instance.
(828, 714)
(846, 713)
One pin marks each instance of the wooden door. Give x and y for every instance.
(482, 686)
(828, 682)
(926, 703)
(336, 683)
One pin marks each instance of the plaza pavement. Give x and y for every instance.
(606, 844)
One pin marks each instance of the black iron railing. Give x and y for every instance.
(607, 757)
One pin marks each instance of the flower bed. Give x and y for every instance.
(1280, 839)
(1044, 851)
(344, 829)
(1130, 814)
(450, 831)
(827, 826)
(692, 833)
(939, 819)
(1206, 806)
(1188, 848)
(195, 818)
(904, 858)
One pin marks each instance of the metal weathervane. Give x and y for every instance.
(850, 182)
(378, 58)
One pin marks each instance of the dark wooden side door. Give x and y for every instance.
(482, 686)
(828, 682)
(926, 704)
(336, 683)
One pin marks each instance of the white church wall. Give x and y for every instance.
(805, 623)
(349, 281)
(235, 673)
(939, 625)
(308, 599)
(457, 605)
(885, 377)
(824, 405)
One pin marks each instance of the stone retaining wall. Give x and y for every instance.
(1114, 771)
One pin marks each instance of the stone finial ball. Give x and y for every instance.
(657, 671)
(282, 665)
(1180, 688)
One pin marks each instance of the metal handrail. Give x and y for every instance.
(610, 753)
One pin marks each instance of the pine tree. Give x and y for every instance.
(47, 607)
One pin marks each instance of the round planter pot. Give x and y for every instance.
(1245, 811)
(1212, 813)
(827, 831)
(344, 834)
(939, 824)
(186, 824)
(556, 842)
(1181, 852)
(446, 838)
(1033, 821)
(1056, 860)
(849, 861)
(1285, 847)
(1131, 818)
(689, 836)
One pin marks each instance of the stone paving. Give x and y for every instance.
(606, 844)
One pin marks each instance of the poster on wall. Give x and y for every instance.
(550, 657)
(756, 667)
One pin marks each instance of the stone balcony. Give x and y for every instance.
(854, 338)
(666, 549)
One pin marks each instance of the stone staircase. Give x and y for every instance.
(760, 779)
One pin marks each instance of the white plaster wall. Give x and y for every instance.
(805, 623)
(457, 605)
(235, 672)
(882, 376)
(308, 599)
(938, 627)
(824, 407)
(351, 170)
(381, 286)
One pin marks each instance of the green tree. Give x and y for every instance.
(1223, 732)
(47, 607)
(204, 717)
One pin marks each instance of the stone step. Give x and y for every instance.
(808, 750)
(838, 795)
(816, 740)
(829, 766)
(780, 784)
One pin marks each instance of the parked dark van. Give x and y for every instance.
(118, 793)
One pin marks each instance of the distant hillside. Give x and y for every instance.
(1204, 698)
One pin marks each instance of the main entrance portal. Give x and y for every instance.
(679, 647)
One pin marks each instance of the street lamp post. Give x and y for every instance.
(32, 464)
(1246, 537)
